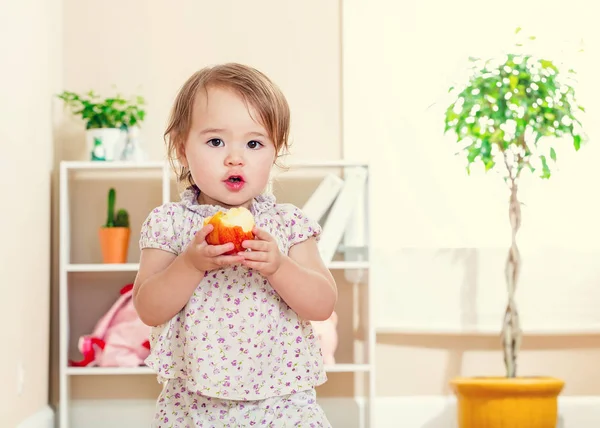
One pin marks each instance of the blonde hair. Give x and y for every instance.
(252, 85)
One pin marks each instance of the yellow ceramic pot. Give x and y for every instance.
(499, 402)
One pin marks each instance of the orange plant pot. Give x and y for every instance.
(499, 402)
(114, 243)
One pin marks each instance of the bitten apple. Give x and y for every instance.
(233, 226)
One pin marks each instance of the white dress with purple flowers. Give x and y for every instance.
(236, 339)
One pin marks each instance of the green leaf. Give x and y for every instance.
(522, 93)
(473, 153)
(545, 169)
(577, 142)
(111, 112)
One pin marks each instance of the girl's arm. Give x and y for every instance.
(165, 282)
(305, 283)
(163, 285)
(300, 277)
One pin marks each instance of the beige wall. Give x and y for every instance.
(159, 45)
(30, 51)
(299, 44)
(154, 49)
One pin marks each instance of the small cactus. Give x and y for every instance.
(121, 219)
(110, 220)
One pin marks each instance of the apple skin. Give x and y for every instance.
(224, 233)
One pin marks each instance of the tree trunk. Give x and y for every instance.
(511, 329)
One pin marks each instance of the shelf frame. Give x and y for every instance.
(99, 170)
(143, 370)
(133, 267)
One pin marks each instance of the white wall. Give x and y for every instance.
(396, 78)
(30, 51)
(440, 236)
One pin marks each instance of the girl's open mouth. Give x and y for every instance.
(235, 182)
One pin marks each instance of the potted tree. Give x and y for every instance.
(105, 120)
(114, 235)
(507, 118)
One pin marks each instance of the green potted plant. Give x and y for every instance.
(105, 119)
(114, 235)
(507, 117)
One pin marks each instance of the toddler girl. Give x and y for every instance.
(232, 341)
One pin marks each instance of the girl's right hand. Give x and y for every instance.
(204, 257)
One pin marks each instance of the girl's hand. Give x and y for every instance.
(264, 255)
(204, 257)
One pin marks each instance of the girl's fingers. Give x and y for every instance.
(256, 245)
(227, 260)
(262, 234)
(217, 250)
(201, 235)
(254, 265)
(257, 256)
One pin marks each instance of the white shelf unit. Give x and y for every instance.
(98, 170)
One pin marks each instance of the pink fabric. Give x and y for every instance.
(119, 339)
(328, 337)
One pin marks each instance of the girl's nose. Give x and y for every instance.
(234, 158)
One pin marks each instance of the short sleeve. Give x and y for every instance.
(301, 227)
(158, 230)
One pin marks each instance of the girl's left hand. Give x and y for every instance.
(264, 256)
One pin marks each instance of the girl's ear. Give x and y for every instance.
(181, 155)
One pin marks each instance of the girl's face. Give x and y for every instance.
(228, 152)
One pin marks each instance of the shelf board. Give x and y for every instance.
(108, 165)
(347, 368)
(575, 330)
(348, 264)
(102, 267)
(108, 371)
(133, 267)
(334, 163)
(123, 371)
(115, 165)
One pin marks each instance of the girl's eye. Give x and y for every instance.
(215, 142)
(254, 144)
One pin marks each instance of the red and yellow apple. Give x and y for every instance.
(233, 226)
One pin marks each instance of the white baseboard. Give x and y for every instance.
(44, 418)
(440, 412)
(390, 412)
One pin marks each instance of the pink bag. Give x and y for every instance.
(119, 339)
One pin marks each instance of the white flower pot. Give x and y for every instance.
(132, 149)
(110, 139)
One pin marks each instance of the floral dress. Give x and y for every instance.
(236, 353)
